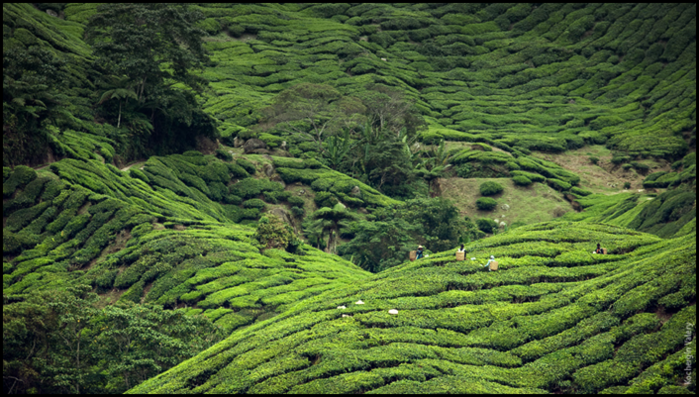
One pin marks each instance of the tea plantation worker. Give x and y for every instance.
(598, 250)
(419, 252)
(492, 259)
(462, 249)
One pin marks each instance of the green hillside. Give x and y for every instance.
(221, 198)
(553, 318)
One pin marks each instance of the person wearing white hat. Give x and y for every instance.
(419, 252)
(492, 259)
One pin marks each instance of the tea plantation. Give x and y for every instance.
(554, 318)
(238, 217)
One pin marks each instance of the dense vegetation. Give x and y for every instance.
(555, 317)
(223, 197)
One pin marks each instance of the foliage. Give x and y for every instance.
(272, 232)
(491, 188)
(522, 180)
(60, 341)
(487, 225)
(486, 204)
(144, 49)
(385, 241)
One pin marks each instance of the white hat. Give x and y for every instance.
(492, 257)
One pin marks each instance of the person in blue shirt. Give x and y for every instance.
(419, 252)
(492, 259)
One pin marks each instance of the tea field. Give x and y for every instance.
(208, 239)
(553, 318)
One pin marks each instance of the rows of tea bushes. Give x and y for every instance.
(547, 77)
(553, 318)
(146, 236)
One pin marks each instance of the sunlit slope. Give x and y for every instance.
(540, 76)
(159, 241)
(554, 318)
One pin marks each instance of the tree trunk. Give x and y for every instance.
(119, 119)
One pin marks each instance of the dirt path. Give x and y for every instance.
(138, 163)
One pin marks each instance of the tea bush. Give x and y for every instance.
(490, 188)
(486, 204)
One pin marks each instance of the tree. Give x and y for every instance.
(272, 232)
(337, 149)
(379, 245)
(386, 241)
(314, 111)
(436, 164)
(329, 222)
(31, 99)
(121, 90)
(150, 43)
(153, 48)
(388, 109)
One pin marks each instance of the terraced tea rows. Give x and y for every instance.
(543, 77)
(553, 318)
(166, 243)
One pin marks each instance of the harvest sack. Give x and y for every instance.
(460, 255)
(494, 265)
(604, 251)
(413, 255)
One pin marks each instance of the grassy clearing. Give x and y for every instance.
(532, 204)
(601, 177)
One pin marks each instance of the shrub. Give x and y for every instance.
(237, 170)
(486, 225)
(21, 176)
(312, 163)
(522, 180)
(322, 184)
(136, 173)
(640, 166)
(558, 184)
(276, 197)
(254, 203)
(251, 187)
(491, 188)
(272, 232)
(594, 160)
(626, 166)
(250, 213)
(627, 185)
(619, 159)
(580, 192)
(689, 160)
(486, 204)
(232, 199)
(533, 177)
(325, 199)
(247, 166)
(296, 201)
(288, 163)
(298, 212)
(224, 155)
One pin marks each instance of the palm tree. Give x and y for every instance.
(329, 222)
(434, 167)
(338, 148)
(121, 90)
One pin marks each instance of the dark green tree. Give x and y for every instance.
(31, 99)
(329, 222)
(154, 44)
(157, 48)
